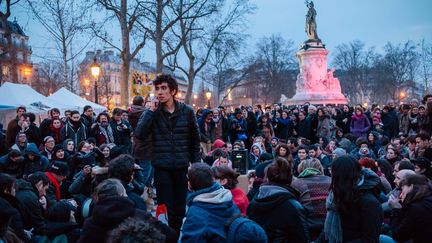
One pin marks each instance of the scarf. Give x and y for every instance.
(107, 133)
(332, 224)
(55, 183)
(309, 172)
(284, 121)
(56, 132)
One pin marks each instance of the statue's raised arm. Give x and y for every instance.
(311, 25)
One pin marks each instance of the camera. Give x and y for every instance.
(240, 161)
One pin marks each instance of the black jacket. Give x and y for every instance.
(413, 221)
(17, 220)
(32, 210)
(141, 148)
(76, 134)
(109, 213)
(175, 137)
(278, 212)
(364, 217)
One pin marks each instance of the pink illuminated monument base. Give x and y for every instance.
(315, 84)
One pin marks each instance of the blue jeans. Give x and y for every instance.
(147, 170)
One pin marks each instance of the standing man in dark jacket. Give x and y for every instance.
(74, 129)
(175, 144)
(87, 117)
(141, 147)
(14, 127)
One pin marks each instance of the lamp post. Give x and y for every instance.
(208, 96)
(95, 71)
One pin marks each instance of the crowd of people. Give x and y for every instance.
(316, 173)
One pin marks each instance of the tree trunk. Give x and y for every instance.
(125, 55)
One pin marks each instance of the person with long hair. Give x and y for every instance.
(353, 210)
(360, 124)
(276, 207)
(412, 211)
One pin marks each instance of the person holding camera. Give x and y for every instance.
(121, 129)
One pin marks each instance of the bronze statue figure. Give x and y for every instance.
(311, 22)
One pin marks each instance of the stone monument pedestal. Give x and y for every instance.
(315, 84)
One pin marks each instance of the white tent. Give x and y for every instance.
(14, 95)
(64, 97)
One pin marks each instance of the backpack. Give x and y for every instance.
(241, 229)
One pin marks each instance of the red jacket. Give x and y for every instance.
(240, 199)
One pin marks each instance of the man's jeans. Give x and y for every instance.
(147, 170)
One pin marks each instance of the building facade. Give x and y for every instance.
(15, 53)
(140, 76)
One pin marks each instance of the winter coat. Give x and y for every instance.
(175, 137)
(359, 126)
(141, 147)
(240, 199)
(76, 134)
(314, 189)
(15, 169)
(11, 132)
(284, 129)
(40, 162)
(44, 127)
(206, 129)
(413, 221)
(324, 128)
(278, 212)
(16, 222)
(87, 121)
(32, 210)
(345, 126)
(33, 134)
(122, 136)
(209, 209)
(390, 122)
(364, 216)
(238, 129)
(304, 129)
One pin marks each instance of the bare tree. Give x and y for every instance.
(425, 64)
(64, 21)
(8, 54)
(274, 69)
(354, 64)
(199, 38)
(401, 61)
(133, 35)
(48, 78)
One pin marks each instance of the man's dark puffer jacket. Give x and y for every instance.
(175, 137)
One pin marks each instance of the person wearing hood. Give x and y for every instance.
(313, 186)
(74, 129)
(69, 148)
(354, 213)
(21, 142)
(218, 121)
(209, 207)
(12, 163)
(33, 160)
(360, 124)
(276, 208)
(206, 126)
(101, 130)
(254, 156)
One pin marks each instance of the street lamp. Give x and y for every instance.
(95, 71)
(208, 96)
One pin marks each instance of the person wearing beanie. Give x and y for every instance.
(47, 149)
(338, 152)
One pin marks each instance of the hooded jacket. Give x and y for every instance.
(278, 212)
(7, 166)
(360, 125)
(209, 209)
(77, 135)
(40, 162)
(206, 136)
(253, 159)
(32, 209)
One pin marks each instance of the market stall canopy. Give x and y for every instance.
(64, 97)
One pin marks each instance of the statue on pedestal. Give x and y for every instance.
(311, 27)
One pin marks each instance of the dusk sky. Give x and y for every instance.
(374, 22)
